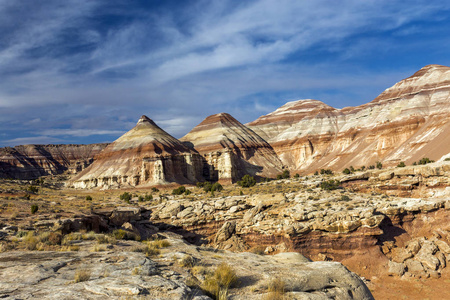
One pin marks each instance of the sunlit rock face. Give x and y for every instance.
(231, 149)
(33, 161)
(406, 122)
(145, 155)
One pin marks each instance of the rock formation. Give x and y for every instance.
(231, 150)
(405, 123)
(33, 161)
(145, 155)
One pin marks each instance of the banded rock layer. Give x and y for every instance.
(231, 150)
(145, 155)
(406, 122)
(33, 161)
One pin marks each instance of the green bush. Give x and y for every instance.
(89, 198)
(148, 197)
(247, 181)
(326, 172)
(316, 173)
(297, 175)
(125, 197)
(379, 165)
(154, 190)
(425, 161)
(33, 189)
(187, 192)
(34, 208)
(330, 184)
(371, 167)
(447, 159)
(345, 198)
(401, 165)
(216, 187)
(346, 171)
(178, 191)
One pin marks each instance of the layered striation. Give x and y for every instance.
(231, 150)
(33, 161)
(145, 155)
(406, 122)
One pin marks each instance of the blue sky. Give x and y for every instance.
(84, 71)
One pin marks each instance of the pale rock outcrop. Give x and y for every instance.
(232, 150)
(145, 155)
(405, 123)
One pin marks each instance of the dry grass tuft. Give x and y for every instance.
(276, 289)
(82, 275)
(218, 283)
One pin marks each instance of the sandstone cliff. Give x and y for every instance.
(145, 155)
(33, 161)
(231, 150)
(405, 123)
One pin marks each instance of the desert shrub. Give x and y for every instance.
(425, 161)
(140, 198)
(218, 283)
(207, 186)
(216, 187)
(279, 176)
(286, 174)
(346, 171)
(276, 289)
(82, 275)
(447, 159)
(241, 193)
(330, 184)
(180, 190)
(153, 248)
(50, 238)
(33, 189)
(148, 197)
(401, 165)
(345, 198)
(379, 165)
(363, 168)
(247, 181)
(371, 167)
(326, 172)
(88, 198)
(316, 173)
(297, 175)
(200, 184)
(21, 233)
(187, 192)
(125, 197)
(154, 190)
(34, 208)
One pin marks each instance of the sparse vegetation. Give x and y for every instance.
(247, 181)
(330, 185)
(33, 189)
(379, 165)
(34, 208)
(401, 165)
(424, 161)
(88, 198)
(326, 172)
(447, 159)
(180, 190)
(346, 171)
(126, 197)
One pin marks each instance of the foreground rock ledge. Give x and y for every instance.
(118, 273)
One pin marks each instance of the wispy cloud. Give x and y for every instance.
(89, 69)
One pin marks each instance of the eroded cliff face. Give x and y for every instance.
(33, 161)
(146, 155)
(231, 150)
(405, 123)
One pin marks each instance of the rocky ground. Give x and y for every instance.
(372, 222)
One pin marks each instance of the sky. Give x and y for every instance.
(84, 71)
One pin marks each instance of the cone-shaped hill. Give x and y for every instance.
(145, 155)
(231, 149)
